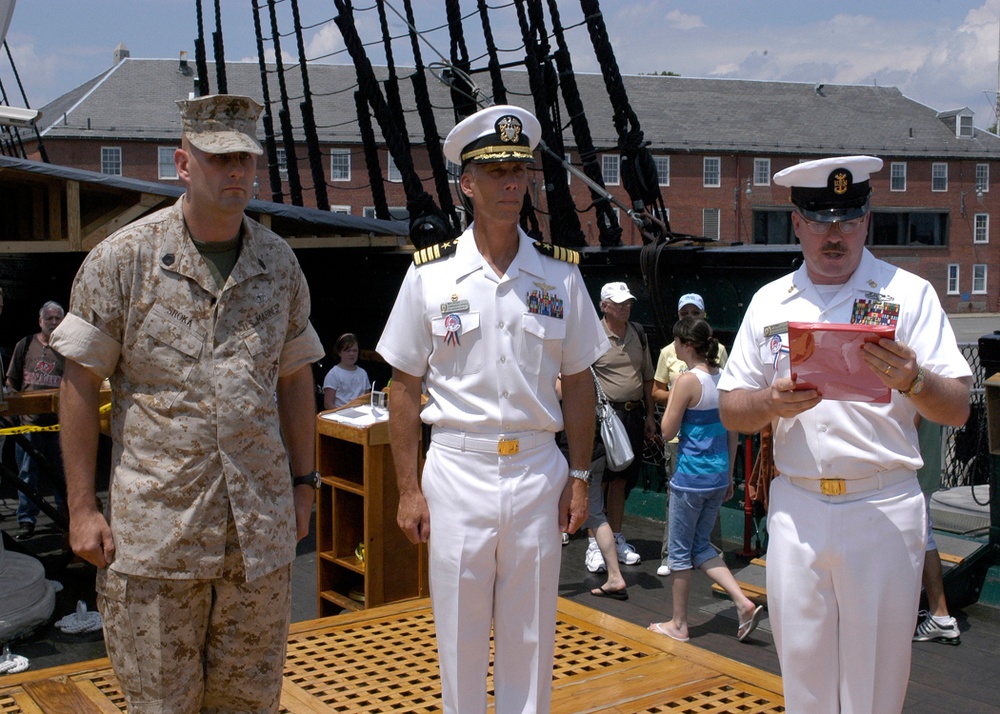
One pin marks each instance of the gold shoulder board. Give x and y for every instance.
(435, 252)
(567, 255)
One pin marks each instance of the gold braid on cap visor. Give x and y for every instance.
(493, 153)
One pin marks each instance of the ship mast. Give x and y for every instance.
(996, 106)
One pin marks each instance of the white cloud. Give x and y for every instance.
(325, 41)
(682, 21)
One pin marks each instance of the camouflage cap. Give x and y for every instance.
(221, 123)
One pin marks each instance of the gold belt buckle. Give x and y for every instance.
(832, 486)
(507, 447)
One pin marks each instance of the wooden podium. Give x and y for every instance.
(356, 506)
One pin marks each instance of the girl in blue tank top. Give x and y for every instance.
(702, 480)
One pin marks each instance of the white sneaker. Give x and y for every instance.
(664, 569)
(626, 553)
(929, 630)
(594, 560)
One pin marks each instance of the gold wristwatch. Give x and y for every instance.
(916, 387)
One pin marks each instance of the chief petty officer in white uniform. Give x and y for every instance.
(846, 519)
(487, 322)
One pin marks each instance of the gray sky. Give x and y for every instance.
(942, 53)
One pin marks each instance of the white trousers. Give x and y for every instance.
(494, 556)
(843, 587)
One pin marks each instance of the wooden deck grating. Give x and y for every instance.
(385, 660)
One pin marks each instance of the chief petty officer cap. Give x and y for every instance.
(221, 123)
(831, 190)
(499, 133)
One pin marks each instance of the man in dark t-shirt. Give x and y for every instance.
(35, 365)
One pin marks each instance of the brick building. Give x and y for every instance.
(716, 143)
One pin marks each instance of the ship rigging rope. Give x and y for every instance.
(460, 90)
(496, 75)
(427, 224)
(432, 140)
(371, 156)
(24, 98)
(565, 227)
(200, 62)
(273, 170)
(11, 131)
(638, 170)
(220, 52)
(391, 83)
(609, 230)
(309, 119)
(284, 115)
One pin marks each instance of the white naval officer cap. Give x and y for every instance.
(833, 189)
(499, 133)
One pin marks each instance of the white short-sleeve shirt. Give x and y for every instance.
(839, 438)
(348, 383)
(490, 347)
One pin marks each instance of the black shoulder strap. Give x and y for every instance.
(639, 331)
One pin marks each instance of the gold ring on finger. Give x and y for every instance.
(888, 368)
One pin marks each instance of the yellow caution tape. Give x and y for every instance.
(27, 429)
(54, 427)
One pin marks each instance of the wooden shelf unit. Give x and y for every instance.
(357, 503)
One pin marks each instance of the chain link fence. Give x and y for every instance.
(965, 453)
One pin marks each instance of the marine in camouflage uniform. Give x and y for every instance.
(202, 520)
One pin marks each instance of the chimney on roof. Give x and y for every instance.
(182, 64)
(121, 52)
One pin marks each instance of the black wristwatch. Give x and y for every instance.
(310, 479)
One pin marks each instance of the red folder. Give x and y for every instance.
(828, 357)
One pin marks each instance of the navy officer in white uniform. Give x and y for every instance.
(487, 322)
(846, 518)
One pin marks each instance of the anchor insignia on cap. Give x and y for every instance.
(509, 128)
(840, 182)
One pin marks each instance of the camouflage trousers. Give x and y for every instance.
(188, 646)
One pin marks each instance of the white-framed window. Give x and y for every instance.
(662, 170)
(712, 172)
(393, 174)
(939, 177)
(982, 230)
(897, 176)
(953, 278)
(166, 170)
(454, 170)
(761, 172)
(983, 178)
(965, 127)
(111, 160)
(346, 210)
(340, 165)
(282, 159)
(979, 278)
(611, 169)
(710, 223)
